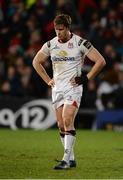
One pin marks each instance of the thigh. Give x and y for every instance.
(69, 112)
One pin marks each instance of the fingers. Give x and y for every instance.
(72, 79)
(75, 81)
(51, 83)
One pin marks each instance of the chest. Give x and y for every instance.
(68, 52)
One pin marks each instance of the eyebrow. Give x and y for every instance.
(61, 28)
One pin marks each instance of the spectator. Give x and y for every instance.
(26, 26)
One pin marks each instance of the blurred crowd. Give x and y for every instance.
(26, 24)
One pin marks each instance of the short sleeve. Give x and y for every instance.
(85, 46)
(45, 49)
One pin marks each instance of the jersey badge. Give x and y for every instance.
(70, 45)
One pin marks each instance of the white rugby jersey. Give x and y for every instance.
(67, 58)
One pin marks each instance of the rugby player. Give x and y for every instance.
(67, 51)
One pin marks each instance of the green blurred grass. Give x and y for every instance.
(30, 154)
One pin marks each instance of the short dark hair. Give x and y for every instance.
(63, 19)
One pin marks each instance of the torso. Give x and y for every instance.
(67, 61)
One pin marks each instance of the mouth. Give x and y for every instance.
(59, 37)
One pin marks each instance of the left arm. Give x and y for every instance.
(94, 55)
(99, 61)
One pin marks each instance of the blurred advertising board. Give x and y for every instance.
(16, 113)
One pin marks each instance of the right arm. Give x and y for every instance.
(38, 60)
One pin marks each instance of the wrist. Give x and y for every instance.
(87, 77)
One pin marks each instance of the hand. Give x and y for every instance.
(79, 80)
(51, 83)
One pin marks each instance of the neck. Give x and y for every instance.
(68, 37)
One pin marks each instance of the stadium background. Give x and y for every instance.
(25, 100)
(25, 26)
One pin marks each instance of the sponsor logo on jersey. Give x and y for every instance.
(55, 58)
(62, 54)
(70, 45)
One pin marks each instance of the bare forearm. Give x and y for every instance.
(96, 69)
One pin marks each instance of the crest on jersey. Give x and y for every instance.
(62, 54)
(70, 45)
(70, 98)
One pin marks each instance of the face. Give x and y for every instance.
(62, 32)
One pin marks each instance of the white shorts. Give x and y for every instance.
(71, 96)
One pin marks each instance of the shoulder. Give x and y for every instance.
(83, 42)
(78, 39)
(76, 36)
(51, 42)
